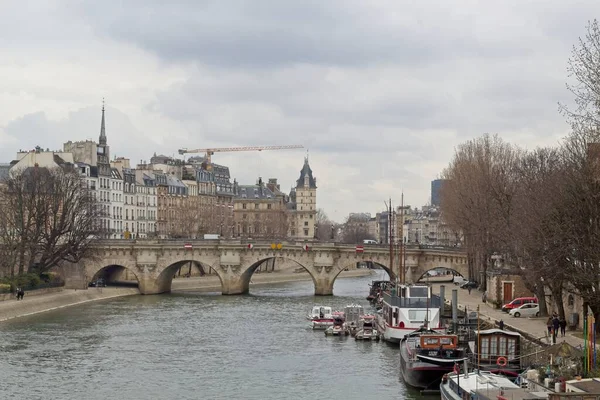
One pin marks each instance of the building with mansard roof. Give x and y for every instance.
(259, 211)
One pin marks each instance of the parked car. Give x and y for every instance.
(459, 280)
(469, 284)
(518, 302)
(97, 283)
(526, 310)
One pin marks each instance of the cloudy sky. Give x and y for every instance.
(380, 92)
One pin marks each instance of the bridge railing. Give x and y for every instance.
(268, 242)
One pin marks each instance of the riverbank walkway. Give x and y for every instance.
(533, 327)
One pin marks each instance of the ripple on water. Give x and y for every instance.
(197, 346)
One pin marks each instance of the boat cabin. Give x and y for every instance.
(411, 306)
(321, 312)
(368, 321)
(499, 350)
(436, 342)
(353, 313)
(378, 287)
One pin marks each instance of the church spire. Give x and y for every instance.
(102, 140)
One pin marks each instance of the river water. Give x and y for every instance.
(197, 346)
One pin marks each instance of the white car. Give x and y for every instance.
(526, 310)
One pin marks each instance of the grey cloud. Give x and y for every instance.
(247, 33)
(36, 129)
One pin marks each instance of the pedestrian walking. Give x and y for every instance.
(549, 325)
(563, 326)
(469, 289)
(501, 325)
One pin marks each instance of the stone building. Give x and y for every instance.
(116, 204)
(302, 206)
(427, 227)
(259, 211)
(146, 202)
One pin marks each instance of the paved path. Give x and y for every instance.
(535, 327)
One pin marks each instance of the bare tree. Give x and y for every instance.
(478, 196)
(355, 229)
(50, 217)
(324, 226)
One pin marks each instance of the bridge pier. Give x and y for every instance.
(232, 285)
(323, 287)
(150, 285)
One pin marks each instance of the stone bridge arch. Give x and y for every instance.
(167, 266)
(447, 273)
(426, 261)
(110, 266)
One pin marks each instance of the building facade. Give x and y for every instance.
(258, 211)
(302, 207)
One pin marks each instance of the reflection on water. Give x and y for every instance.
(197, 346)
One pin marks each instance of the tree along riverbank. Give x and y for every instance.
(31, 305)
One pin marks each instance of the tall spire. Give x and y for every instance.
(102, 127)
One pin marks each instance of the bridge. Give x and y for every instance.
(155, 262)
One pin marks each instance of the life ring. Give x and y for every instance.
(502, 361)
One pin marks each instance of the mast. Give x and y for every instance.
(401, 267)
(391, 238)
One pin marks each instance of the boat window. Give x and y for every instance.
(419, 315)
(419, 291)
(446, 340)
(431, 341)
(493, 346)
(511, 351)
(502, 346)
(485, 348)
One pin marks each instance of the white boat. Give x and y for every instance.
(353, 314)
(339, 327)
(409, 309)
(320, 317)
(367, 330)
(479, 385)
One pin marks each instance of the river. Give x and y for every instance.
(197, 346)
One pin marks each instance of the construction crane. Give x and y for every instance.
(210, 152)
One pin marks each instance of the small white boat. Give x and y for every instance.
(367, 330)
(339, 327)
(320, 317)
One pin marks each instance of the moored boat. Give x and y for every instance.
(377, 287)
(407, 310)
(483, 385)
(339, 327)
(499, 351)
(320, 317)
(367, 330)
(426, 355)
(353, 314)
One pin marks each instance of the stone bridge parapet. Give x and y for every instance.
(155, 262)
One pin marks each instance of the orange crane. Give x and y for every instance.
(210, 152)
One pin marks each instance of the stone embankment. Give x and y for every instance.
(35, 303)
(30, 305)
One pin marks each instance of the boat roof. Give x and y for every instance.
(482, 380)
(495, 330)
(512, 394)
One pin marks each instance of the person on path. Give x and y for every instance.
(501, 325)
(563, 326)
(469, 289)
(555, 327)
(549, 326)
(484, 297)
